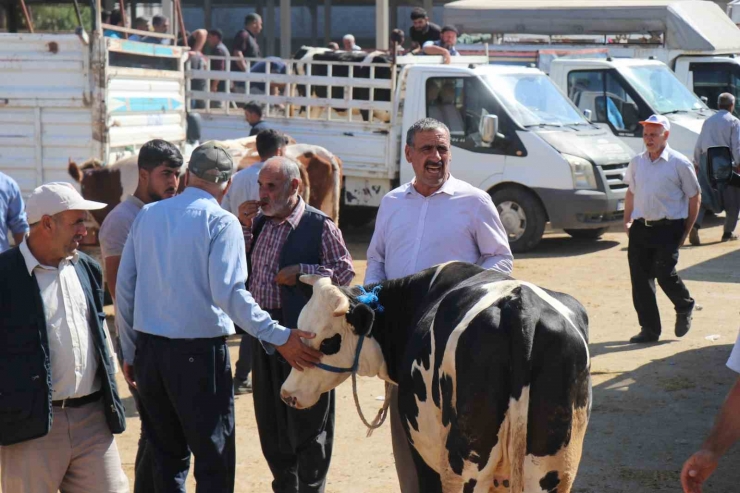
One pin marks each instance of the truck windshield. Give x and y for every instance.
(661, 89)
(533, 99)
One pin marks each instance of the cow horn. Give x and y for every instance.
(342, 306)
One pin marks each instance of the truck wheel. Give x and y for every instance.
(523, 217)
(587, 234)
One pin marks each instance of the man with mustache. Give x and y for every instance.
(660, 208)
(159, 171)
(433, 219)
(287, 237)
(60, 405)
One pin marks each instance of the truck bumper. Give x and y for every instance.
(582, 209)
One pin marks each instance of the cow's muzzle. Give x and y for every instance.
(289, 399)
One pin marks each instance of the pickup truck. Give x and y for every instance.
(514, 134)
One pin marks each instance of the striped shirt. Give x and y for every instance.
(335, 260)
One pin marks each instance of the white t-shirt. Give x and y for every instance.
(243, 187)
(733, 363)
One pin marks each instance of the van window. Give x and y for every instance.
(712, 79)
(460, 103)
(607, 98)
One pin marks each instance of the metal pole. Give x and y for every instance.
(381, 24)
(327, 21)
(181, 25)
(122, 6)
(429, 7)
(207, 13)
(77, 11)
(285, 28)
(270, 28)
(29, 22)
(314, 7)
(99, 18)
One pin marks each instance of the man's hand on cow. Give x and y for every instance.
(128, 374)
(697, 469)
(296, 353)
(288, 275)
(248, 210)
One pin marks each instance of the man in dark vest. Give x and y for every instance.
(289, 237)
(60, 406)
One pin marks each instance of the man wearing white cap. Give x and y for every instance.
(661, 206)
(60, 405)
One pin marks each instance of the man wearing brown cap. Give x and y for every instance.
(188, 254)
(59, 407)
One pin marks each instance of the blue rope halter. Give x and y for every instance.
(369, 298)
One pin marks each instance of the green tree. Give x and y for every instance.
(59, 17)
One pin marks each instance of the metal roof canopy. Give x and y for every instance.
(690, 25)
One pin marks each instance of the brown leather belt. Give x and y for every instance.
(78, 401)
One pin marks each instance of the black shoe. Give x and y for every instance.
(683, 323)
(242, 387)
(644, 337)
(729, 237)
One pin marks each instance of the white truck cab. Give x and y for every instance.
(514, 134)
(619, 93)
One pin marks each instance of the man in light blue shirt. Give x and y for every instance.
(180, 283)
(12, 215)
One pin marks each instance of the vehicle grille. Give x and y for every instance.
(614, 174)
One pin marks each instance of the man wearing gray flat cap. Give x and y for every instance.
(180, 284)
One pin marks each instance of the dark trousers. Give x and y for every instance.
(244, 363)
(144, 463)
(653, 254)
(187, 405)
(297, 444)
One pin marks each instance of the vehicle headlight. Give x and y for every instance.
(582, 171)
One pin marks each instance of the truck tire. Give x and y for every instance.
(587, 234)
(523, 217)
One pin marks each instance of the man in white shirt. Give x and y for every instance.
(60, 404)
(244, 195)
(435, 218)
(725, 432)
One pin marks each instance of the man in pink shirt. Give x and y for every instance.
(433, 219)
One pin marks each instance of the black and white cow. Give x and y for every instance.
(493, 373)
(347, 67)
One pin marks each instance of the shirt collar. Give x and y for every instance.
(295, 217)
(32, 262)
(665, 155)
(198, 193)
(449, 187)
(136, 201)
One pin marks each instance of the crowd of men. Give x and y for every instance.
(187, 271)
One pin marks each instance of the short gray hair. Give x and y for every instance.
(424, 125)
(288, 168)
(725, 101)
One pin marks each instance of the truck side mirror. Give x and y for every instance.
(587, 114)
(704, 100)
(488, 128)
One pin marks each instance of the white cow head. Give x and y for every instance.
(338, 323)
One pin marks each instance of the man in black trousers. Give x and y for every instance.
(661, 206)
(286, 237)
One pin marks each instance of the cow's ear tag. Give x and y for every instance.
(361, 317)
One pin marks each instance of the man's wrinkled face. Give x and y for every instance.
(275, 192)
(449, 38)
(162, 182)
(430, 157)
(67, 229)
(420, 24)
(654, 136)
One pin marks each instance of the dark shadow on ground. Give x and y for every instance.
(719, 269)
(621, 346)
(565, 246)
(130, 406)
(645, 423)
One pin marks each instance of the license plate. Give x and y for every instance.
(620, 205)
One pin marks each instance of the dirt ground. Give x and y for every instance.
(652, 404)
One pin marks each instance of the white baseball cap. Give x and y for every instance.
(658, 120)
(57, 197)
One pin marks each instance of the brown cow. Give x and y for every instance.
(321, 173)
